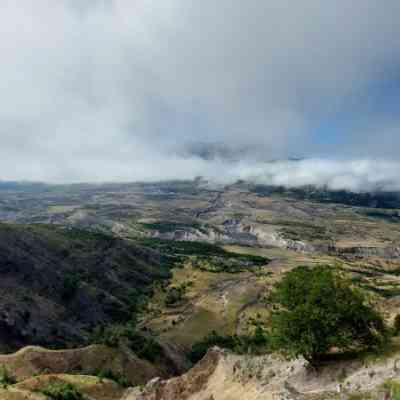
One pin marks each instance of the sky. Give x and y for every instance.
(125, 90)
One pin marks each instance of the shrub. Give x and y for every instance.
(143, 346)
(5, 377)
(393, 388)
(174, 295)
(319, 310)
(256, 343)
(108, 335)
(396, 325)
(118, 378)
(62, 391)
(200, 348)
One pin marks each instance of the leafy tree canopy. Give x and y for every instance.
(317, 310)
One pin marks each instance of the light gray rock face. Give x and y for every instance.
(364, 252)
(225, 376)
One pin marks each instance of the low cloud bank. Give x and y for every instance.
(353, 175)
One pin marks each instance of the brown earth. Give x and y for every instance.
(31, 361)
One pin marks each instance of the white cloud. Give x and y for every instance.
(113, 90)
(356, 175)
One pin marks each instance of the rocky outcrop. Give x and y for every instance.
(266, 238)
(364, 252)
(233, 231)
(183, 387)
(220, 375)
(225, 376)
(193, 235)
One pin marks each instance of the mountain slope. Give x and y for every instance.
(56, 284)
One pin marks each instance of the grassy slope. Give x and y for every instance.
(211, 300)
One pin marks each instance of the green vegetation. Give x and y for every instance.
(70, 285)
(205, 256)
(229, 265)
(5, 378)
(108, 374)
(393, 388)
(176, 252)
(137, 299)
(184, 248)
(318, 310)
(114, 276)
(388, 200)
(188, 248)
(175, 295)
(300, 230)
(306, 234)
(166, 227)
(394, 272)
(396, 325)
(62, 391)
(359, 396)
(81, 235)
(160, 196)
(384, 215)
(144, 346)
(257, 343)
(384, 292)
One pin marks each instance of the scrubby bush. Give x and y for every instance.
(144, 346)
(108, 335)
(118, 378)
(5, 377)
(396, 325)
(318, 310)
(62, 391)
(255, 343)
(200, 348)
(175, 295)
(392, 388)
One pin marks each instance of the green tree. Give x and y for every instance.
(317, 310)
